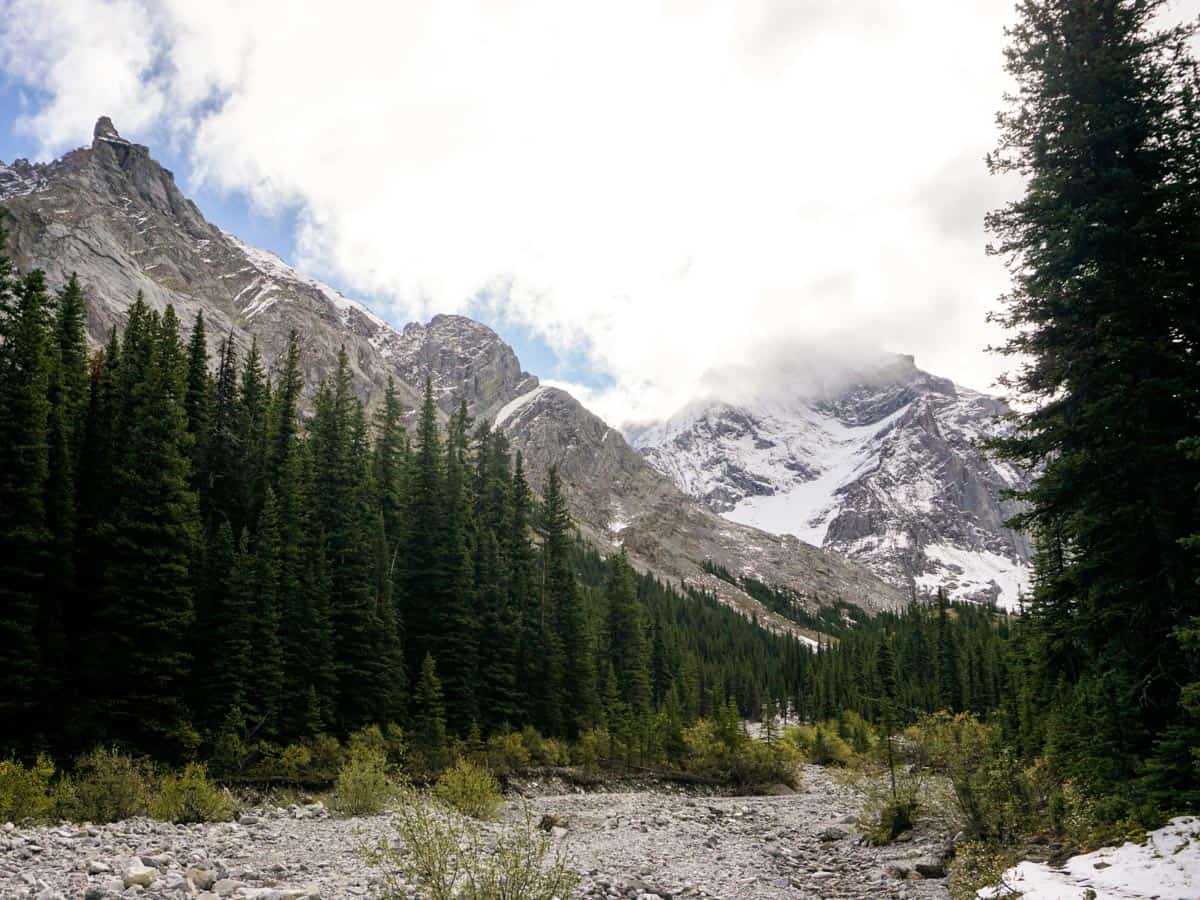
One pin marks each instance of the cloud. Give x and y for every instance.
(660, 187)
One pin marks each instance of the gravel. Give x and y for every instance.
(643, 844)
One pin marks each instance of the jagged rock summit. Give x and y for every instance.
(115, 216)
(877, 461)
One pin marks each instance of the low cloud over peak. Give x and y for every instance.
(662, 190)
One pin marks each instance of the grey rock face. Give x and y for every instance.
(113, 215)
(885, 469)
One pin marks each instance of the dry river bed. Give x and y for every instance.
(644, 844)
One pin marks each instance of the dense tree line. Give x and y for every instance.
(1104, 318)
(188, 560)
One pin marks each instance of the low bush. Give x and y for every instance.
(995, 795)
(25, 794)
(730, 755)
(506, 753)
(469, 788)
(189, 797)
(388, 742)
(363, 787)
(976, 866)
(591, 749)
(822, 745)
(106, 786)
(446, 855)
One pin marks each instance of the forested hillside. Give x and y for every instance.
(188, 562)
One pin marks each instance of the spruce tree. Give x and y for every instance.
(1104, 318)
(429, 719)
(25, 540)
(146, 596)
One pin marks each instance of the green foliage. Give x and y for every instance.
(1102, 130)
(106, 786)
(716, 752)
(25, 794)
(507, 753)
(189, 797)
(448, 856)
(469, 788)
(995, 795)
(363, 787)
(978, 865)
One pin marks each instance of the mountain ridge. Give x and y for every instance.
(115, 216)
(880, 463)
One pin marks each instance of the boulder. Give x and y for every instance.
(142, 876)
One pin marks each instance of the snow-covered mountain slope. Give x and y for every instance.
(879, 463)
(112, 214)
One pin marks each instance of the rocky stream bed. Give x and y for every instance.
(646, 843)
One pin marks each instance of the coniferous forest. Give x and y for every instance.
(190, 561)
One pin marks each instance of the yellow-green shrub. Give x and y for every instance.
(718, 752)
(976, 866)
(591, 749)
(995, 795)
(107, 786)
(387, 741)
(448, 856)
(506, 753)
(189, 797)
(25, 791)
(469, 788)
(828, 748)
(363, 787)
(555, 753)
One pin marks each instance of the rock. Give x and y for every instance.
(550, 821)
(829, 835)
(930, 868)
(96, 867)
(227, 886)
(201, 878)
(897, 872)
(139, 874)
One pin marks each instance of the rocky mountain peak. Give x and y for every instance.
(114, 215)
(880, 463)
(105, 131)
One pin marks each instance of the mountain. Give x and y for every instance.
(877, 461)
(112, 214)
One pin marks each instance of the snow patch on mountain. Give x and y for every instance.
(881, 464)
(513, 406)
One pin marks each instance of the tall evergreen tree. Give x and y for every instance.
(25, 539)
(146, 597)
(1104, 315)
(575, 646)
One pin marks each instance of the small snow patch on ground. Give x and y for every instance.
(1167, 866)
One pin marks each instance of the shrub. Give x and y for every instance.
(590, 749)
(362, 786)
(445, 853)
(715, 751)
(25, 792)
(977, 866)
(293, 760)
(189, 797)
(506, 753)
(856, 732)
(828, 748)
(532, 739)
(469, 788)
(555, 753)
(327, 756)
(995, 795)
(389, 742)
(107, 786)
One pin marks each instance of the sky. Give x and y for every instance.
(632, 193)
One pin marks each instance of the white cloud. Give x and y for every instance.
(666, 186)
